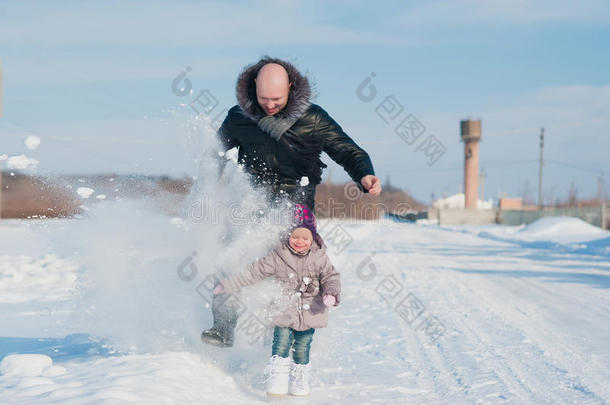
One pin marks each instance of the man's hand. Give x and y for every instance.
(372, 184)
(219, 289)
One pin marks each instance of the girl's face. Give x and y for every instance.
(300, 239)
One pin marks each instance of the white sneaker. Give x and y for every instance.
(299, 379)
(277, 375)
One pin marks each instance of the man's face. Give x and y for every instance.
(272, 96)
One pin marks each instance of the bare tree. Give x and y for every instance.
(527, 193)
(573, 195)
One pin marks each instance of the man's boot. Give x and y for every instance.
(225, 320)
(218, 336)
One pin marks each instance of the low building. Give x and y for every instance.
(511, 203)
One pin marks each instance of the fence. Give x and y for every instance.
(595, 215)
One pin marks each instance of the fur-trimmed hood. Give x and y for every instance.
(299, 98)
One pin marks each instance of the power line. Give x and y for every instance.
(455, 168)
(67, 138)
(496, 164)
(541, 163)
(72, 146)
(579, 166)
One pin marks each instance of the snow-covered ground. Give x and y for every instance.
(108, 310)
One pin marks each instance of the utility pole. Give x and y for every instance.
(601, 188)
(540, 170)
(0, 161)
(601, 196)
(0, 88)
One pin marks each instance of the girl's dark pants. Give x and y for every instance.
(300, 341)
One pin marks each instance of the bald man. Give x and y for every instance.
(281, 135)
(272, 88)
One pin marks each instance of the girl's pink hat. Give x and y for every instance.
(304, 218)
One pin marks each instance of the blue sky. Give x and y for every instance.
(93, 81)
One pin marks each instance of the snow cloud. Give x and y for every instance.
(32, 142)
(20, 162)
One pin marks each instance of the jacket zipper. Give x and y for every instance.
(301, 320)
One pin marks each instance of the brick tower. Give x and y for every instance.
(471, 135)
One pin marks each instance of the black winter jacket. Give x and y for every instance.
(269, 160)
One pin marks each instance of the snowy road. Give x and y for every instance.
(523, 325)
(428, 315)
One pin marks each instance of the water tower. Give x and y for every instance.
(471, 135)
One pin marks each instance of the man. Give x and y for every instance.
(281, 135)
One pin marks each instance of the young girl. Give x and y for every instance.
(310, 284)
